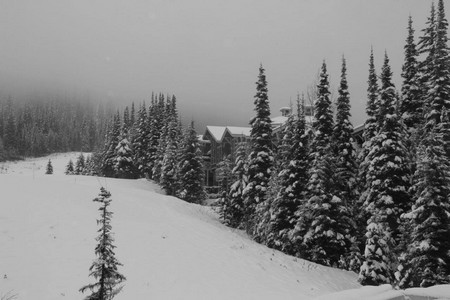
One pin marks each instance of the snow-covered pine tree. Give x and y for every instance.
(293, 177)
(191, 173)
(346, 167)
(261, 155)
(283, 205)
(104, 268)
(387, 180)
(140, 141)
(236, 204)
(411, 108)
(428, 251)
(109, 153)
(169, 164)
(154, 136)
(124, 164)
(69, 168)
(344, 149)
(438, 94)
(224, 178)
(126, 126)
(163, 119)
(132, 114)
(371, 128)
(79, 165)
(326, 217)
(89, 167)
(49, 169)
(296, 178)
(426, 47)
(376, 268)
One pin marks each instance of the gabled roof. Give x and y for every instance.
(216, 132)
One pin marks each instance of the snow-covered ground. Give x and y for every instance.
(170, 249)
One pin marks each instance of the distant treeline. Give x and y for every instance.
(37, 127)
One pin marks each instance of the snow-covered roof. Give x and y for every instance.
(216, 132)
(278, 121)
(239, 131)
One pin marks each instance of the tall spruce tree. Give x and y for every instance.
(191, 172)
(169, 164)
(261, 155)
(327, 238)
(427, 259)
(345, 152)
(154, 137)
(438, 94)
(283, 205)
(140, 142)
(293, 180)
(411, 108)
(387, 185)
(426, 48)
(104, 268)
(224, 178)
(236, 200)
(109, 153)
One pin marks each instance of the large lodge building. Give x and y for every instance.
(219, 142)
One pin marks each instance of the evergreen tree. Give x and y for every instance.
(261, 155)
(370, 125)
(49, 169)
(191, 169)
(89, 166)
(69, 168)
(163, 119)
(140, 142)
(438, 94)
(79, 165)
(109, 154)
(132, 115)
(235, 211)
(411, 108)
(126, 126)
(387, 179)
(376, 268)
(345, 152)
(154, 137)
(169, 164)
(104, 268)
(428, 252)
(293, 178)
(124, 164)
(327, 239)
(224, 178)
(371, 129)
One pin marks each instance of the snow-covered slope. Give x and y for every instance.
(170, 249)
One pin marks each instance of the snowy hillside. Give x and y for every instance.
(170, 249)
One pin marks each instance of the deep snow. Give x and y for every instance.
(170, 249)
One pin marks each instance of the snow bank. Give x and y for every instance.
(385, 292)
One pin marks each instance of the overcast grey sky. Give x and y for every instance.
(206, 52)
